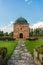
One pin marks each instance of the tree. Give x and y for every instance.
(6, 34)
(11, 34)
(36, 32)
(31, 32)
(1, 33)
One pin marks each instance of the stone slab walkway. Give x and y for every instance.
(21, 56)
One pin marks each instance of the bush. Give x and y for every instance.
(2, 38)
(32, 39)
(7, 38)
(3, 52)
(10, 39)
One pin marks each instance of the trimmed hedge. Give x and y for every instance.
(32, 39)
(7, 38)
(3, 52)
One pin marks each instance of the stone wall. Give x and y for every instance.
(38, 58)
(21, 28)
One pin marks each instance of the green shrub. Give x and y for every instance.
(3, 52)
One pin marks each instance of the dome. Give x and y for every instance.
(21, 21)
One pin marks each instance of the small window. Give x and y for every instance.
(20, 28)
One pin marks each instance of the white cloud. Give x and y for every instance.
(11, 22)
(39, 24)
(8, 28)
(26, 0)
(29, 2)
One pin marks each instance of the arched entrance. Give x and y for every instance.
(21, 35)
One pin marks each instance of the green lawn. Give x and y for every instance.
(33, 44)
(10, 45)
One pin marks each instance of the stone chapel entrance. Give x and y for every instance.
(21, 35)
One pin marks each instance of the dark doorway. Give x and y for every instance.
(21, 35)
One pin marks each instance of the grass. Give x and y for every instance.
(10, 45)
(33, 44)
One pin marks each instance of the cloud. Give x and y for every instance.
(11, 22)
(8, 28)
(28, 1)
(39, 24)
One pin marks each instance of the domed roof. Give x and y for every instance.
(21, 21)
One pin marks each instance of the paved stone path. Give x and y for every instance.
(21, 56)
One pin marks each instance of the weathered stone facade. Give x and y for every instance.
(21, 30)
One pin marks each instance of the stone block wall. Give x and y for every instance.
(38, 59)
(21, 28)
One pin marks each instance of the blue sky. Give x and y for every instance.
(10, 10)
